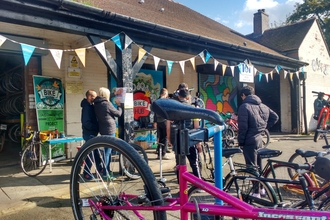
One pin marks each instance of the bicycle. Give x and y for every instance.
(143, 199)
(34, 157)
(3, 128)
(323, 117)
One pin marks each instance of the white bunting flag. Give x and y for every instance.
(216, 63)
(81, 53)
(182, 63)
(101, 48)
(224, 67)
(297, 74)
(271, 74)
(192, 60)
(57, 55)
(128, 41)
(232, 70)
(255, 71)
(201, 54)
(156, 61)
(285, 72)
(2, 40)
(266, 75)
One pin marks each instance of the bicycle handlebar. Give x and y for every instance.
(321, 93)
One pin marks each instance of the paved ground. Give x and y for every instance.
(19, 192)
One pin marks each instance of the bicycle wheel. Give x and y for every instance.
(317, 134)
(295, 158)
(228, 135)
(248, 188)
(325, 205)
(90, 197)
(127, 167)
(34, 161)
(265, 138)
(2, 141)
(14, 133)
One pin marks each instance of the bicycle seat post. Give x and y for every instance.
(182, 141)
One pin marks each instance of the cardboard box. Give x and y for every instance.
(143, 144)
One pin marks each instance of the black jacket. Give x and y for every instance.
(88, 119)
(253, 118)
(105, 114)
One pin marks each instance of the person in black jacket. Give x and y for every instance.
(319, 103)
(90, 128)
(105, 113)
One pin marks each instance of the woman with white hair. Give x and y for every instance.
(105, 113)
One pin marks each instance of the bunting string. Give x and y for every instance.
(204, 55)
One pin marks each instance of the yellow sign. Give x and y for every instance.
(74, 61)
(74, 72)
(74, 87)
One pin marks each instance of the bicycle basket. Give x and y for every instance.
(322, 166)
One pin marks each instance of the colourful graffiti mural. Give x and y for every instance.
(219, 92)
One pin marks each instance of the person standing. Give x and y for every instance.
(253, 118)
(90, 128)
(160, 124)
(319, 103)
(105, 113)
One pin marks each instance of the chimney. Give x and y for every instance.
(260, 22)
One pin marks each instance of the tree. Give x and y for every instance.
(313, 8)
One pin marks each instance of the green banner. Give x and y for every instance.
(49, 98)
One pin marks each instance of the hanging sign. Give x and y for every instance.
(74, 61)
(246, 74)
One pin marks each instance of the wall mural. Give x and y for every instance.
(219, 92)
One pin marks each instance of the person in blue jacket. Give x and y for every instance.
(90, 129)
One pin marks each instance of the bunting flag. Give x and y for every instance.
(81, 53)
(260, 76)
(224, 69)
(302, 69)
(291, 76)
(255, 71)
(192, 60)
(101, 48)
(27, 52)
(116, 40)
(182, 63)
(201, 54)
(169, 66)
(216, 63)
(2, 40)
(156, 61)
(278, 68)
(266, 75)
(128, 41)
(142, 52)
(247, 62)
(57, 55)
(207, 56)
(271, 74)
(297, 74)
(239, 66)
(285, 72)
(232, 70)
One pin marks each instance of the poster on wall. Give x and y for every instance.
(49, 103)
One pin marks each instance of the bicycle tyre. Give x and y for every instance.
(127, 167)
(317, 134)
(30, 163)
(265, 138)
(325, 205)
(228, 136)
(245, 186)
(2, 142)
(295, 158)
(106, 192)
(13, 133)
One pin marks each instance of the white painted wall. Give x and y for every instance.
(312, 48)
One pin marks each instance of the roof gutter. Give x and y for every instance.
(153, 28)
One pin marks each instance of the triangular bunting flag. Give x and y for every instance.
(216, 63)
(260, 75)
(27, 52)
(128, 41)
(201, 54)
(57, 55)
(232, 70)
(271, 74)
(255, 71)
(291, 76)
(302, 70)
(2, 40)
(239, 66)
(116, 40)
(81, 53)
(101, 48)
(182, 65)
(156, 61)
(224, 67)
(207, 56)
(142, 52)
(297, 74)
(169, 66)
(247, 62)
(266, 75)
(278, 68)
(285, 72)
(192, 60)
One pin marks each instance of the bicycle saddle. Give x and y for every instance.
(176, 111)
(268, 153)
(306, 153)
(228, 152)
